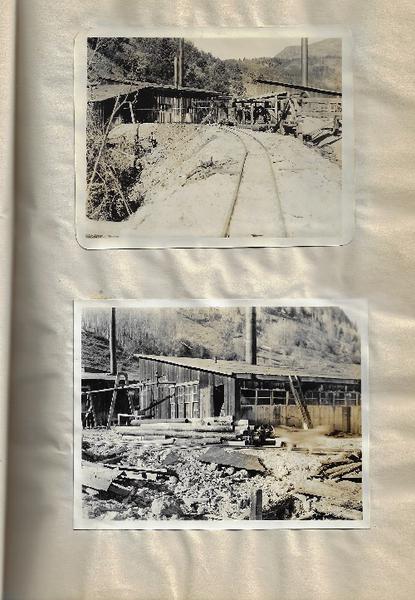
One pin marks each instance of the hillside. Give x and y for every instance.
(324, 66)
(331, 47)
(151, 59)
(322, 338)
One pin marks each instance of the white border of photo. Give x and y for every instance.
(356, 310)
(95, 239)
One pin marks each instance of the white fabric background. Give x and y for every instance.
(46, 559)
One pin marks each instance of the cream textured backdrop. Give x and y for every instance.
(46, 559)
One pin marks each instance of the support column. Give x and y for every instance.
(113, 343)
(304, 61)
(250, 336)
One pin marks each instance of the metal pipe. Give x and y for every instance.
(113, 343)
(304, 61)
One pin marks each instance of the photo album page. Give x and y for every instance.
(206, 265)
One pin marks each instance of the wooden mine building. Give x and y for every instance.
(170, 387)
(144, 102)
(259, 393)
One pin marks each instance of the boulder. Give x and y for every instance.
(165, 507)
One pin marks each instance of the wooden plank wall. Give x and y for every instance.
(151, 369)
(340, 418)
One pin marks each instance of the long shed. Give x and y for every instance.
(146, 102)
(196, 387)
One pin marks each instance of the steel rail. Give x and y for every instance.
(238, 185)
(240, 176)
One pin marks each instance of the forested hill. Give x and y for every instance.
(286, 336)
(151, 59)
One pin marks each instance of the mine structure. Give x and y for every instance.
(204, 438)
(310, 113)
(177, 389)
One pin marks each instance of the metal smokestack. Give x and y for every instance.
(304, 61)
(180, 69)
(250, 336)
(175, 78)
(180, 61)
(113, 343)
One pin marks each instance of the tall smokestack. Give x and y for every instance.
(250, 335)
(304, 61)
(180, 61)
(175, 78)
(113, 343)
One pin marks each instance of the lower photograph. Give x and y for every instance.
(225, 414)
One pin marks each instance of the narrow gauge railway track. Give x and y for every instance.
(256, 193)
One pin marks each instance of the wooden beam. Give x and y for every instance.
(131, 112)
(256, 505)
(131, 386)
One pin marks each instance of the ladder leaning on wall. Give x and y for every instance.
(299, 399)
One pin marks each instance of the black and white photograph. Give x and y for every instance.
(213, 139)
(229, 415)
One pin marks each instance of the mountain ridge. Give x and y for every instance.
(151, 59)
(287, 336)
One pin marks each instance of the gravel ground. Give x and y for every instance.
(196, 490)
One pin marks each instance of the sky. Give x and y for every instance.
(245, 47)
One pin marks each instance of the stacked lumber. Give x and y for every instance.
(335, 489)
(347, 466)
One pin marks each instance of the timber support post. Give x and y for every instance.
(256, 506)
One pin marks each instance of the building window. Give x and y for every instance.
(195, 401)
(260, 397)
(248, 397)
(173, 404)
(279, 397)
(180, 401)
(263, 397)
(187, 400)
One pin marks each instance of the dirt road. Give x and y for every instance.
(198, 177)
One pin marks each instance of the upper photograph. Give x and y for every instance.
(237, 139)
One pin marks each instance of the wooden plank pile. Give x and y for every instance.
(346, 466)
(335, 489)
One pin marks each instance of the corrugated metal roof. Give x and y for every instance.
(112, 90)
(343, 371)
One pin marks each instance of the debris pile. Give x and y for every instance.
(123, 479)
